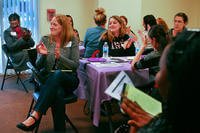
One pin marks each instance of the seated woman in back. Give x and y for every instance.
(128, 28)
(158, 39)
(92, 35)
(71, 22)
(119, 43)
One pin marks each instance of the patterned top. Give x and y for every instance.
(116, 47)
(17, 48)
(69, 58)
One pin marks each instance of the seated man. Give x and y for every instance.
(18, 40)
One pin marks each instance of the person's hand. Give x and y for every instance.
(57, 51)
(140, 33)
(132, 65)
(138, 116)
(128, 29)
(41, 49)
(127, 43)
(144, 41)
(26, 34)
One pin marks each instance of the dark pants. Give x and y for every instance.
(52, 94)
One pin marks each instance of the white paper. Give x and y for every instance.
(106, 64)
(116, 87)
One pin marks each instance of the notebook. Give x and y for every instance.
(146, 102)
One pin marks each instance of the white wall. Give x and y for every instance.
(129, 8)
(167, 9)
(83, 11)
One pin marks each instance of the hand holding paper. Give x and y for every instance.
(146, 102)
(138, 116)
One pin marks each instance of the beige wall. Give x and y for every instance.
(83, 10)
(80, 10)
(167, 9)
(136, 9)
(129, 8)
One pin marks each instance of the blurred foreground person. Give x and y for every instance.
(179, 88)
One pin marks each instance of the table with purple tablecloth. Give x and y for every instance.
(95, 78)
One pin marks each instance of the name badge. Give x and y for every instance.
(69, 44)
(12, 33)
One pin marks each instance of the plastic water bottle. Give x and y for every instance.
(137, 47)
(105, 50)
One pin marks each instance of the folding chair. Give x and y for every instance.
(70, 98)
(9, 65)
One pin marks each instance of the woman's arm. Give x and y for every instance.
(139, 53)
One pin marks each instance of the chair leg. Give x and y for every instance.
(31, 107)
(18, 78)
(68, 120)
(107, 106)
(4, 76)
(29, 111)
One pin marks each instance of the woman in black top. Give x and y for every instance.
(120, 44)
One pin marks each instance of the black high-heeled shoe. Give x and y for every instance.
(29, 128)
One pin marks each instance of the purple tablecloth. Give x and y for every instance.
(94, 80)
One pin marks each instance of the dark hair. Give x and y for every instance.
(14, 16)
(183, 70)
(183, 15)
(157, 32)
(149, 20)
(69, 16)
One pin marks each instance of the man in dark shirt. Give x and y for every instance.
(18, 40)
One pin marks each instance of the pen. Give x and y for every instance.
(118, 83)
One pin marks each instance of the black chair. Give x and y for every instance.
(70, 98)
(9, 65)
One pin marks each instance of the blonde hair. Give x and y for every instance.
(67, 31)
(161, 22)
(100, 17)
(107, 35)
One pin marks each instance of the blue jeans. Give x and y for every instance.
(52, 93)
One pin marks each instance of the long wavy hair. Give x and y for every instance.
(108, 35)
(67, 31)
